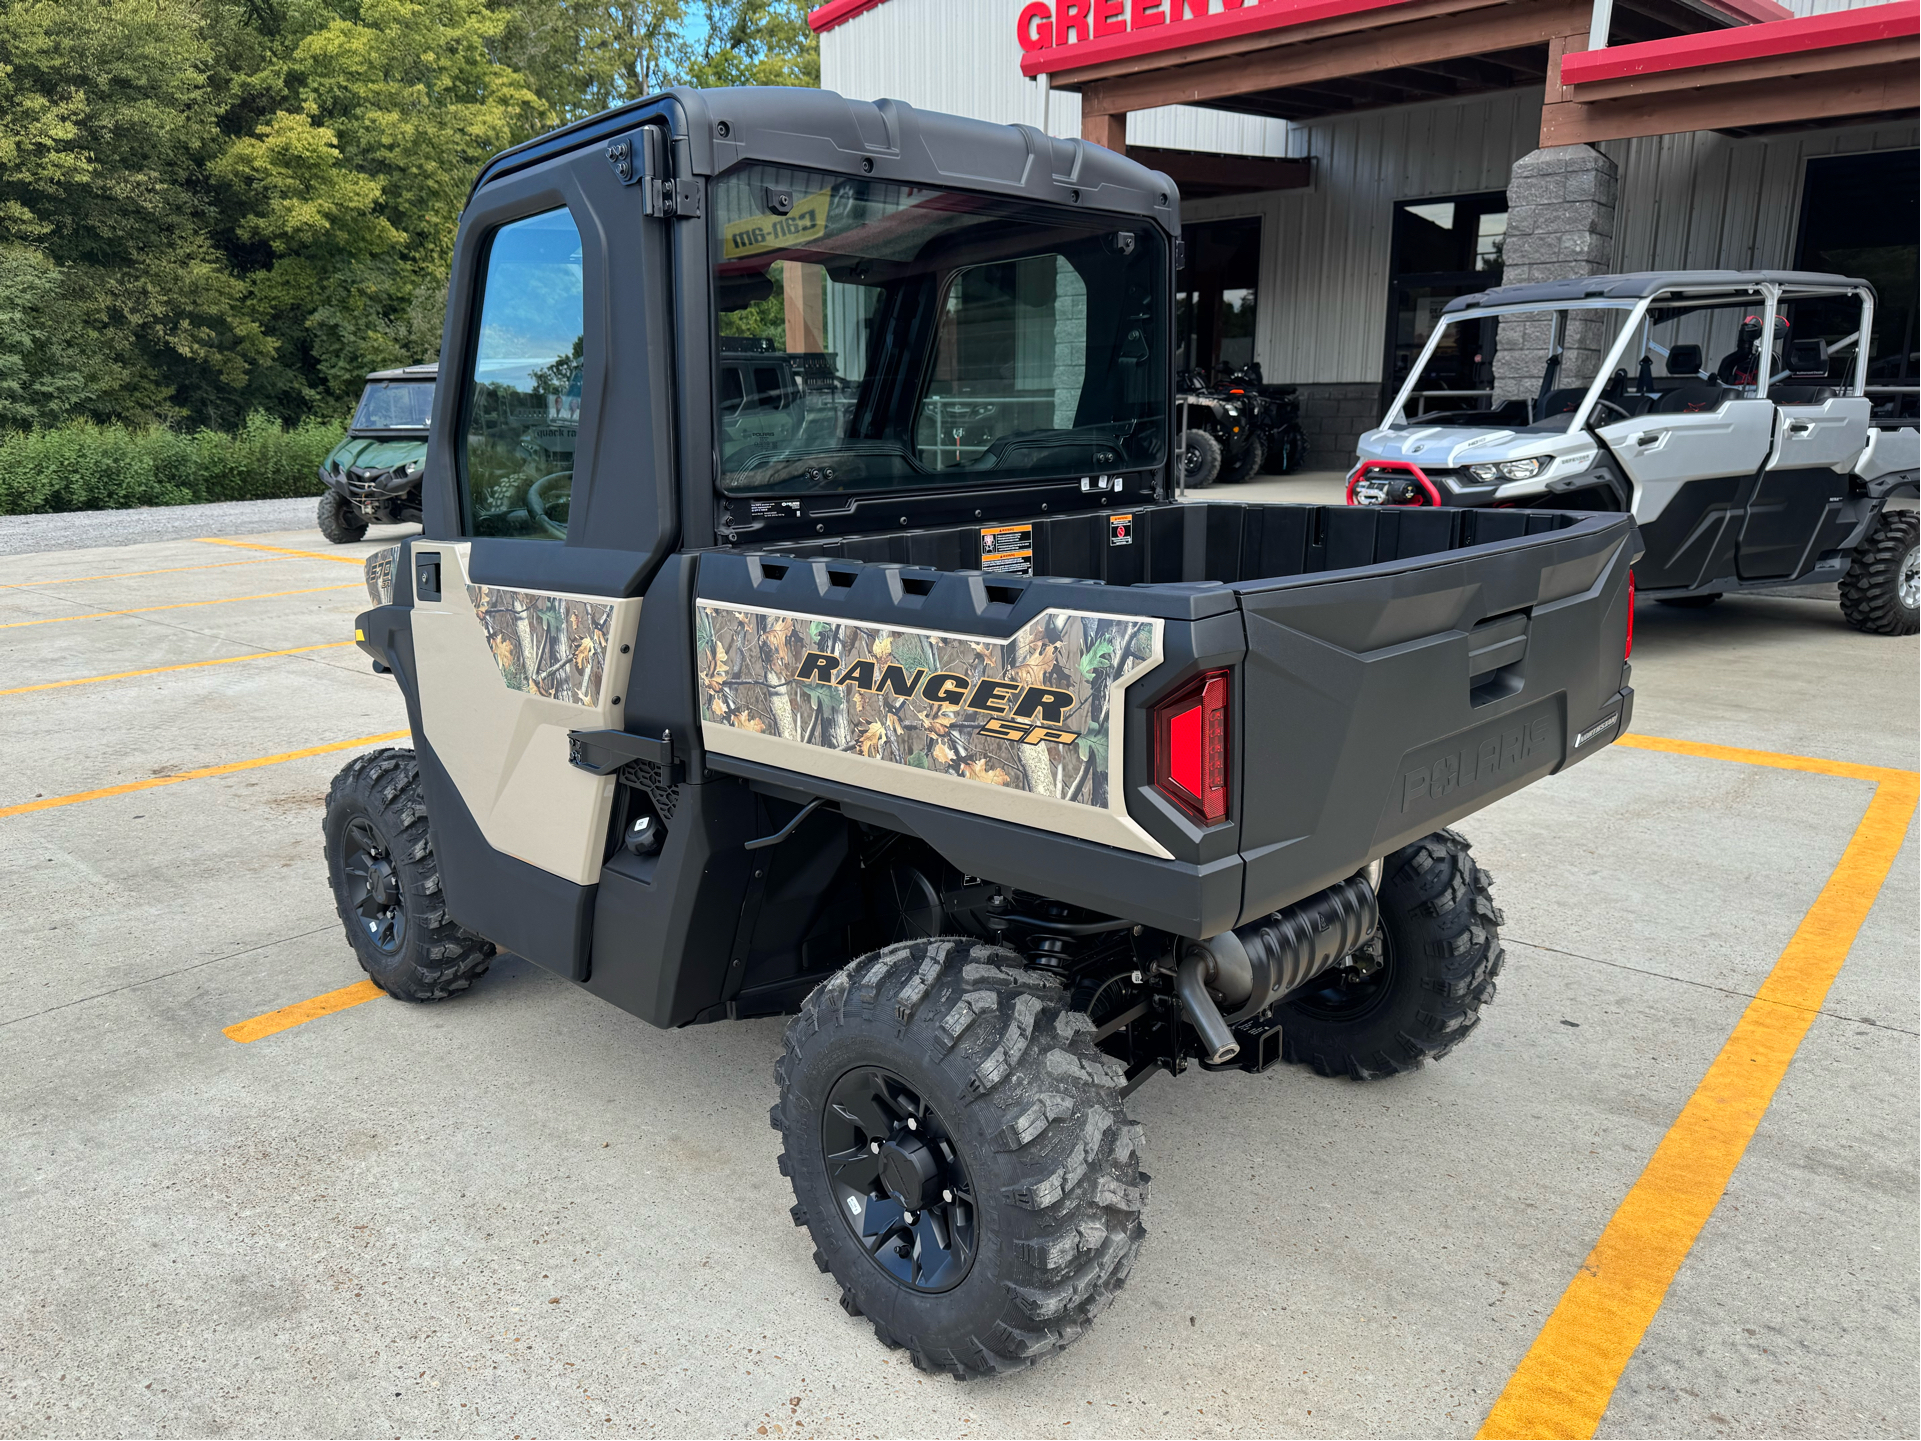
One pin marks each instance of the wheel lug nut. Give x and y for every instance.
(909, 1218)
(912, 1124)
(947, 1195)
(873, 1147)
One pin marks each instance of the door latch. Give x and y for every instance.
(427, 575)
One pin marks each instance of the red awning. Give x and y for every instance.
(1748, 42)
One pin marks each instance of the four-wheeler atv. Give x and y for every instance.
(1222, 437)
(1012, 779)
(1772, 466)
(373, 476)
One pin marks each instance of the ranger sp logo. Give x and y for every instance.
(1029, 714)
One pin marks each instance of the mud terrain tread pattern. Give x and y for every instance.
(336, 525)
(1869, 600)
(446, 959)
(1448, 919)
(1039, 1112)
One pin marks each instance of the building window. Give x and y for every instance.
(1214, 309)
(1443, 248)
(1859, 218)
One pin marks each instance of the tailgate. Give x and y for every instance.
(1382, 704)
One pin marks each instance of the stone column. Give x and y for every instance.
(1560, 226)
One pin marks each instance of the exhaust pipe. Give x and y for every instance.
(1251, 967)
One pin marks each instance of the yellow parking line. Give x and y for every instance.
(129, 574)
(179, 605)
(283, 550)
(164, 669)
(1564, 1384)
(288, 1017)
(49, 802)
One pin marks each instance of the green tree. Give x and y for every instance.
(355, 184)
(108, 120)
(755, 42)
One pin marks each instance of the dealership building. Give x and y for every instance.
(1346, 167)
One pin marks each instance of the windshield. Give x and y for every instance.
(394, 405)
(878, 336)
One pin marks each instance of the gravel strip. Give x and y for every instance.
(83, 529)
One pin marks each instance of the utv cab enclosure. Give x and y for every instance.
(804, 624)
(1747, 464)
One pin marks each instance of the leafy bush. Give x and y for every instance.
(109, 467)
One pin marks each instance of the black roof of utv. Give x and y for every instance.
(888, 139)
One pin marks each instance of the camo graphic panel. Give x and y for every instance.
(1031, 713)
(546, 646)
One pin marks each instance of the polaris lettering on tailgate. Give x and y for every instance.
(1033, 713)
(1438, 777)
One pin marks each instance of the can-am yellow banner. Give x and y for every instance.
(760, 233)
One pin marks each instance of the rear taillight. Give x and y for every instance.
(1190, 747)
(1630, 645)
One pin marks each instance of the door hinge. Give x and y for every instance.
(640, 158)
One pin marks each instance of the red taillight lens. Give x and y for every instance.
(1190, 747)
(1630, 646)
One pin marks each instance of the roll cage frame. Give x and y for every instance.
(1681, 296)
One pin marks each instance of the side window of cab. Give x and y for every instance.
(523, 390)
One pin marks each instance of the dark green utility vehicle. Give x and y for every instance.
(373, 476)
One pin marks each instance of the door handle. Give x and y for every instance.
(1652, 437)
(1800, 427)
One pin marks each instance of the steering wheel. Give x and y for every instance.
(1619, 410)
(547, 502)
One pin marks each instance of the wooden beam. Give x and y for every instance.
(1766, 67)
(1225, 174)
(1868, 90)
(1386, 48)
(1106, 128)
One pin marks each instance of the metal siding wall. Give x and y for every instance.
(1709, 200)
(1325, 250)
(964, 59)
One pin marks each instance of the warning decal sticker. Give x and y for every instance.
(1007, 549)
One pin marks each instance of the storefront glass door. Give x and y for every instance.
(1214, 306)
(1443, 248)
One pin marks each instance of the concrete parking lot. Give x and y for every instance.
(522, 1212)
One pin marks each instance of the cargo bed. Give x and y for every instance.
(1390, 671)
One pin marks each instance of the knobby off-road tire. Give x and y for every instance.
(1201, 460)
(1440, 950)
(338, 523)
(1251, 461)
(1879, 592)
(1008, 1074)
(386, 882)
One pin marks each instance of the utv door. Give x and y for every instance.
(544, 522)
(1693, 472)
(1795, 512)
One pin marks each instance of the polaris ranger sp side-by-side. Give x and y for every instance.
(804, 624)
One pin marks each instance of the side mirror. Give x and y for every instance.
(1684, 360)
(1808, 359)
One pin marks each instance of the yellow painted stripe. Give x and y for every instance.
(1564, 1384)
(1775, 759)
(360, 560)
(187, 665)
(288, 1017)
(129, 574)
(180, 605)
(50, 802)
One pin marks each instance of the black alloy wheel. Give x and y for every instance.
(1350, 992)
(901, 1185)
(373, 886)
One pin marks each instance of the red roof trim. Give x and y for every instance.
(838, 12)
(1749, 42)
